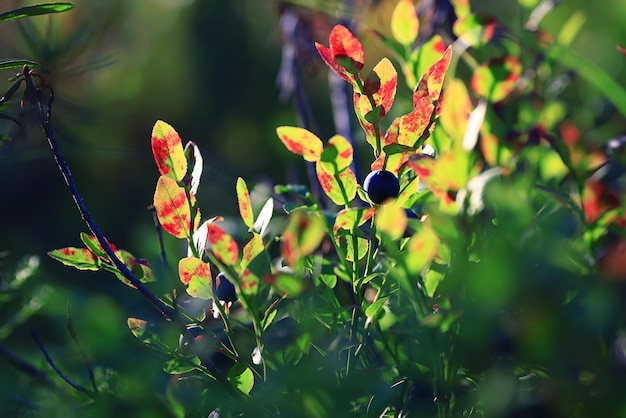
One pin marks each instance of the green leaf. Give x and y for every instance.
(495, 79)
(404, 23)
(180, 366)
(34, 10)
(172, 207)
(241, 377)
(80, 258)
(168, 151)
(374, 309)
(288, 284)
(196, 275)
(223, 245)
(13, 63)
(245, 206)
(303, 234)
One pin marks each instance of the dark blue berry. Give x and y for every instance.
(381, 185)
(224, 289)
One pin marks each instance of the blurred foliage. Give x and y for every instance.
(209, 67)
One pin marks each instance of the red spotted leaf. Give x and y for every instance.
(351, 218)
(168, 151)
(424, 166)
(253, 248)
(80, 258)
(423, 58)
(432, 81)
(302, 235)
(195, 274)
(404, 23)
(301, 142)
(337, 154)
(363, 110)
(340, 188)
(346, 49)
(381, 84)
(223, 245)
(138, 327)
(413, 124)
(497, 78)
(245, 206)
(172, 206)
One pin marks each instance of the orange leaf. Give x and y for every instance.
(223, 245)
(168, 151)
(301, 142)
(195, 274)
(172, 207)
(245, 206)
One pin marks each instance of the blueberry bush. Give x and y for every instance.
(477, 270)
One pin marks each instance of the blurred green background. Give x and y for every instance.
(208, 68)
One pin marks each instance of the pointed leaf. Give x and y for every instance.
(497, 78)
(168, 151)
(195, 274)
(265, 216)
(241, 377)
(432, 81)
(424, 57)
(337, 154)
(137, 327)
(194, 167)
(475, 29)
(223, 245)
(253, 248)
(35, 10)
(80, 258)
(327, 57)
(351, 218)
(170, 202)
(301, 142)
(245, 206)
(381, 84)
(346, 49)
(404, 23)
(413, 124)
(180, 365)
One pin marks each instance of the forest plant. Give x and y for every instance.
(492, 301)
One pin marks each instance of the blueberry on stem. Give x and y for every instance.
(381, 186)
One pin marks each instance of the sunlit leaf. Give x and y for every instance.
(300, 141)
(381, 84)
(372, 311)
(194, 167)
(497, 78)
(241, 377)
(421, 249)
(461, 7)
(223, 245)
(423, 58)
(195, 274)
(80, 258)
(346, 49)
(172, 206)
(404, 23)
(391, 219)
(414, 123)
(92, 243)
(337, 154)
(245, 206)
(351, 218)
(336, 185)
(424, 167)
(303, 234)
(35, 10)
(265, 216)
(456, 110)
(432, 81)
(168, 151)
